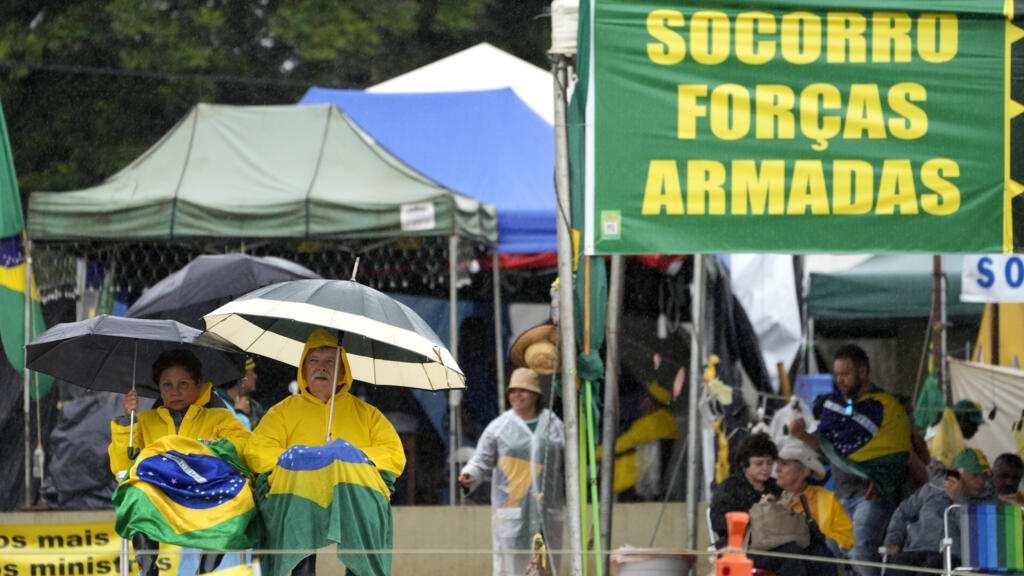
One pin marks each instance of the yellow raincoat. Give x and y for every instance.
(828, 513)
(302, 419)
(944, 439)
(199, 423)
(639, 448)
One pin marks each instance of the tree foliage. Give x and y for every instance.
(88, 85)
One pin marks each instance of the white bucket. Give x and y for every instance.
(658, 566)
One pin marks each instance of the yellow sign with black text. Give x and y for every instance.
(82, 549)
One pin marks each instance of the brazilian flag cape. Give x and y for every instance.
(185, 492)
(869, 437)
(322, 494)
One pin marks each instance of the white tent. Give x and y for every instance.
(990, 386)
(482, 67)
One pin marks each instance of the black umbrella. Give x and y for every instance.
(116, 354)
(211, 281)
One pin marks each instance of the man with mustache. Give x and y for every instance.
(304, 419)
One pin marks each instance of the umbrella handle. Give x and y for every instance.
(334, 392)
(125, 567)
(132, 451)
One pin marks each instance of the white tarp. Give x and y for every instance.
(990, 385)
(992, 278)
(765, 284)
(482, 67)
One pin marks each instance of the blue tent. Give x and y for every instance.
(488, 145)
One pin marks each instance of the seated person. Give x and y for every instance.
(750, 483)
(796, 466)
(643, 450)
(1006, 475)
(237, 396)
(178, 374)
(331, 461)
(916, 528)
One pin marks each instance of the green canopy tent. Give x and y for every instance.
(888, 298)
(262, 172)
(269, 172)
(886, 286)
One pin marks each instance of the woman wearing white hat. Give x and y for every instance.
(521, 452)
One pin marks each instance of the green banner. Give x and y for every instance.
(756, 126)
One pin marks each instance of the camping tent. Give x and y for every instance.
(481, 67)
(262, 172)
(488, 145)
(886, 286)
(266, 172)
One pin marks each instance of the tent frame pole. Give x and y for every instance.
(454, 396)
(567, 320)
(24, 369)
(499, 345)
(699, 295)
(610, 416)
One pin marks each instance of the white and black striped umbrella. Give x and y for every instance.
(386, 341)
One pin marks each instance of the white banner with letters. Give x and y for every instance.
(993, 278)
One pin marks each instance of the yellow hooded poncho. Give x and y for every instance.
(199, 423)
(302, 419)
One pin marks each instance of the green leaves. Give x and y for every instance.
(103, 80)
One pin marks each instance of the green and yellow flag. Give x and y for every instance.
(323, 494)
(12, 269)
(184, 492)
(869, 437)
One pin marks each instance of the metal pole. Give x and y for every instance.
(567, 322)
(942, 340)
(24, 370)
(454, 396)
(696, 365)
(610, 418)
(993, 332)
(499, 345)
(937, 325)
(812, 353)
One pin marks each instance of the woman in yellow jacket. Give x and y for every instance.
(178, 374)
(302, 419)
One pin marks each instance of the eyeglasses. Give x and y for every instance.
(849, 407)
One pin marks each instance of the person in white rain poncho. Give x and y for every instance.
(524, 448)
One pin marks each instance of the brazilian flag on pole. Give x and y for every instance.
(323, 494)
(12, 270)
(184, 492)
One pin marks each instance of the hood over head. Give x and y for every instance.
(321, 338)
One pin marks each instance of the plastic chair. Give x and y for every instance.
(990, 538)
(884, 553)
(712, 537)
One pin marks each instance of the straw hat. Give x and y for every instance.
(535, 349)
(525, 379)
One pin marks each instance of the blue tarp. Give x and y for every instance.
(488, 145)
(475, 356)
